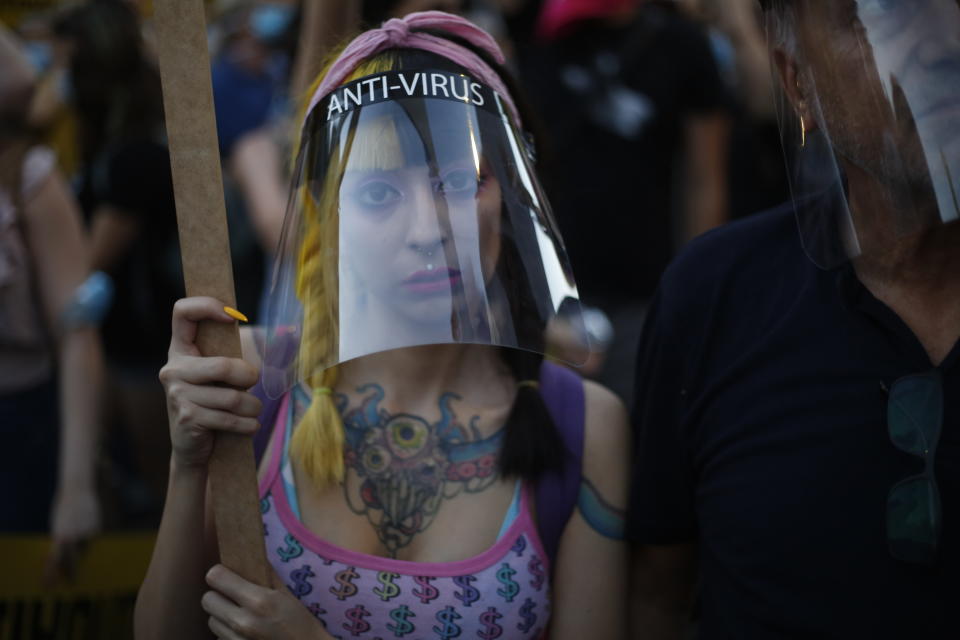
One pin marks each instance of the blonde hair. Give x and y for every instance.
(318, 440)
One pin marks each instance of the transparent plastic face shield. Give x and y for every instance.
(415, 219)
(876, 157)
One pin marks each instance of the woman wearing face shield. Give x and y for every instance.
(425, 473)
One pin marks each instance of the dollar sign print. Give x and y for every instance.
(345, 578)
(428, 592)
(469, 594)
(292, 550)
(301, 582)
(510, 588)
(450, 629)
(389, 589)
(519, 546)
(529, 617)
(318, 612)
(489, 621)
(403, 626)
(536, 569)
(357, 623)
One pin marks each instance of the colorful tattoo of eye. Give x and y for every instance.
(407, 466)
(602, 517)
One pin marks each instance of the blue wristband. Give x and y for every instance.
(90, 302)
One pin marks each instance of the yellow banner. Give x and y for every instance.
(13, 11)
(97, 604)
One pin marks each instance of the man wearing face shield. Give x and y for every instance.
(799, 396)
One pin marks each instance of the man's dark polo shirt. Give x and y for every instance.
(761, 434)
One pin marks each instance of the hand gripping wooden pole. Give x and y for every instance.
(205, 250)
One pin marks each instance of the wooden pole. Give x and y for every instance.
(205, 250)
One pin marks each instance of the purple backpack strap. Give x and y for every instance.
(283, 351)
(557, 491)
(268, 416)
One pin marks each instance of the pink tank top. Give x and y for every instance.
(503, 592)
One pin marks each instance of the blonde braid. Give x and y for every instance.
(318, 440)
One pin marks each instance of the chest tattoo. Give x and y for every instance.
(407, 466)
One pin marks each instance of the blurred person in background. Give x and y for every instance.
(256, 141)
(253, 46)
(51, 364)
(50, 114)
(125, 189)
(636, 114)
(757, 176)
(798, 407)
(484, 13)
(374, 12)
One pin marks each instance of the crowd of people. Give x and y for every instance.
(566, 318)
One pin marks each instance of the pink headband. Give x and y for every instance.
(396, 33)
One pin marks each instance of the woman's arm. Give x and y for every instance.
(258, 169)
(203, 396)
(707, 143)
(60, 259)
(590, 578)
(112, 235)
(323, 24)
(168, 604)
(185, 595)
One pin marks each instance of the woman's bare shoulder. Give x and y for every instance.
(606, 447)
(606, 422)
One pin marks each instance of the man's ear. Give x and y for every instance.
(794, 87)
